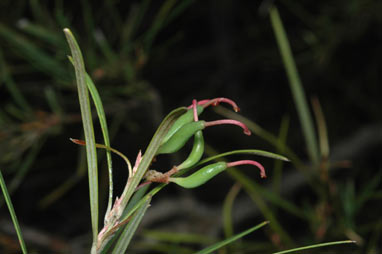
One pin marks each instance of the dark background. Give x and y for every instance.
(192, 49)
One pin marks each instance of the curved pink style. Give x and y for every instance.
(248, 162)
(194, 103)
(229, 121)
(216, 101)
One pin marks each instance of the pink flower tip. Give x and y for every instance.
(248, 162)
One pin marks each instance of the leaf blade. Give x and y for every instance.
(245, 151)
(105, 132)
(128, 233)
(314, 246)
(13, 213)
(295, 85)
(218, 245)
(88, 130)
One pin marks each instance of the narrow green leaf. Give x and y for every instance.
(221, 244)
(13, 213)
(128, 233)
(314, 246)
(105, 132)
(138, 195)
(245, 151)
(88, 130)
(128, 212)
(295, 85)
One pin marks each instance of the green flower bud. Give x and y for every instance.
(179, 139)
(201, 176)
(206, 173)
(196, 152)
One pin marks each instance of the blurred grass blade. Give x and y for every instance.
(245, 151)
(105, 132)
(278, 166)
(104, 46)
(26, 164)
(227, 209)
(178, 10)
(33, 54)
(254, 188)
(256, 196)
(321, 128)
(129, 231)
(13, 213)
(134, 20)
(262, 133)
(271, 196)
(314, 246)
(60, 15)
(178, 237)
(221, 244)
(40, 12)
(14, 91)
(42, 33)
(88, 130)
(53, 102)
(295, 85)
(254, 193)
(158, 23)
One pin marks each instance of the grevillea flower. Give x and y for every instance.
(183, 134)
